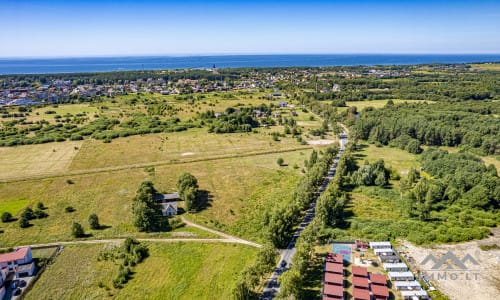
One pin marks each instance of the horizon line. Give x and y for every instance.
(241, 54)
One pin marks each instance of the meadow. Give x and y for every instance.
(172, 271)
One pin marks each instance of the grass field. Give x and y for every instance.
(181, 146)
(14, 206)
(233, 184)
(397, 159)
(172, 271)
(489, 67)
(33, 160)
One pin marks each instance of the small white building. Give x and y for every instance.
(407, 285)
(25, 270)
(169, 209)
(384, 251)
(11, 260)
(395, 276)
(414, 295)
(380, 245)
(395, 267)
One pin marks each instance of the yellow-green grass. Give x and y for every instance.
(13, 206)
(489, 67)
(366, 207)
(190, 145)
(31, 160)
(40, 113)
(172, 271)
(395, 158)
(492, 160)
(230, 182)
(380, 103)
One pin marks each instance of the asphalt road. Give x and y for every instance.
(272, 288)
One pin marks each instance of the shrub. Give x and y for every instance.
(77, 230)
(280, 161)
(69, 209)
(39, 214)
(6, 217)
(28, 214)
(24, 222)
(94, 221)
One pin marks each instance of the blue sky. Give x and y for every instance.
(104, 27)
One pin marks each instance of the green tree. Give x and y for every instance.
(6, 217)
(77, 230)
(280, 161)
(94, 221)
(290, 284)
(147, 215)
(23, 222)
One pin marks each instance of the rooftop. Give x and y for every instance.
(335, 258)
(361, 282)
(334, 268)
(359, 271)
(360, 294)
(19, 254)
(337, 279)
(380, 290)
(333, 290)
(378, 279)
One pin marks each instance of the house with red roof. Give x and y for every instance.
(378, 279)
(359, 271)
(332, 291)
(380, 292)
(335, 258)
(360, 294)
(360, 282)
(334, 278)
(19, 261)
(334, 268)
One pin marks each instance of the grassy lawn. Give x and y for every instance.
(395, 158)
(40, 159)
(238, 187)
(172, 271)
(194, 144)
(489, 67)
(13, 206)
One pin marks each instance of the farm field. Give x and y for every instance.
(233, 185)
(194, 144)
(380, 103)
(172, 271)
(33, 160)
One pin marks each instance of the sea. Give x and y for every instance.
(107, 64)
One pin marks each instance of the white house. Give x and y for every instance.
(20, 256)
(25, 270)
(395, 267)
(394, 276)
(383, 251)
(406, 285)
(414, 295)
(169, 209)
(380, 245)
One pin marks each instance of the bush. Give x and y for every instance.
(39, 214)
(94, 221)
(69, 209)
(280, 161)
(77, 230)
(28, 214)
(24, 222)
(6, 217)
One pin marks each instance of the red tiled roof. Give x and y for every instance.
(360, 294)
(359, 271)
(380, 290)
(361, 282)
(333, 290)
(378, 279)
(334, 268)
(335, 258)
(333, 278)
(12, 256)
